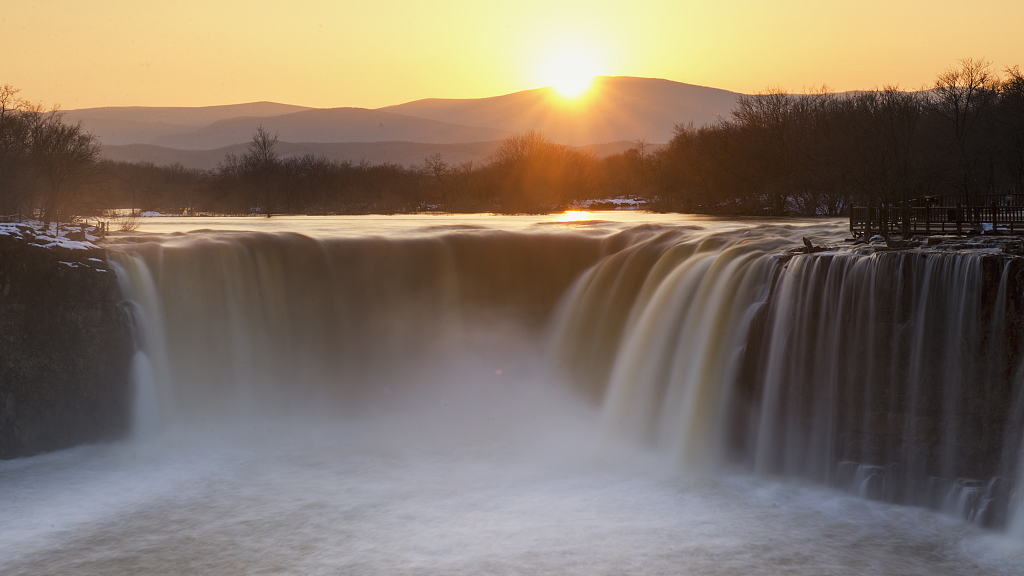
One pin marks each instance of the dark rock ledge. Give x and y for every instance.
(65, 345)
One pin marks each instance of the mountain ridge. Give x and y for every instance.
(326, 125)
(650, 107)
(616, 109)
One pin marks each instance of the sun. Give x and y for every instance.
(570, 71)
(574, 216)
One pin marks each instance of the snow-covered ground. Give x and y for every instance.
(35, 234)
(619, 203)
(154, 214)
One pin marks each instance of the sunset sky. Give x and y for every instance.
(372, 54)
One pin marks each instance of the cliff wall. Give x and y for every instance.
(65, 345)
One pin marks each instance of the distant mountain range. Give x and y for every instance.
(617, 108)
(331, 125)
(143, 124)
(617, 111)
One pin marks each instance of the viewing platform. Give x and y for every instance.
(957, 214)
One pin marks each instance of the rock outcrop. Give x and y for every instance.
(65, 345)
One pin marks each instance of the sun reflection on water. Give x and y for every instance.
(574, 216)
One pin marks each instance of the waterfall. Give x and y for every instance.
(887, 374)
(892, 375)
(243, 322)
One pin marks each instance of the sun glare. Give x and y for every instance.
(574, 216)
(571, 72)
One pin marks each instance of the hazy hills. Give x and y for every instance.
(616, 110)
(331, 125)
(143, 124)
(620, 108)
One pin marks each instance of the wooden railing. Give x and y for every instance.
(988, 213)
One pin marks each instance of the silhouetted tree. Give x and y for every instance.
(962, 96)
(533, 174)
(307, 178)
(1010, 116)
(14, 149)
(253, 175)
(65, 158)
(775, 128)
(438, 171)
(889, 123)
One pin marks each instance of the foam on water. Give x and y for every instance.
(394, 493)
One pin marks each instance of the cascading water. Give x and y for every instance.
(886, 374)
(381, 402)
(250, 321)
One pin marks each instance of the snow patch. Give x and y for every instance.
(34, 233)
(619, 203)
(61, 242)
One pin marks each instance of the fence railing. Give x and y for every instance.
(988, 213)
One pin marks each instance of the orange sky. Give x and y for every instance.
(371, 54)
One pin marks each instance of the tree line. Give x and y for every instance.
(46, 164)
(776, 153)
(817, 153)
(528, 173)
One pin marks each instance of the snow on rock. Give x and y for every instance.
(30, 241)
(60, 241)
(16, 230)
(36, 236)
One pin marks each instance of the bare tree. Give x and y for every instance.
(435, 166)
(262, 151)
(14, 145)
(772, 123)
(463, 178)
(689, 164)
(303, 182)
(65, 157)
(254, 174)
(1012, 120)
(889, 121)
(143, 185)
(438, 170)
(961, 96)
(521, 148)
(538, 175)
(641, 158)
